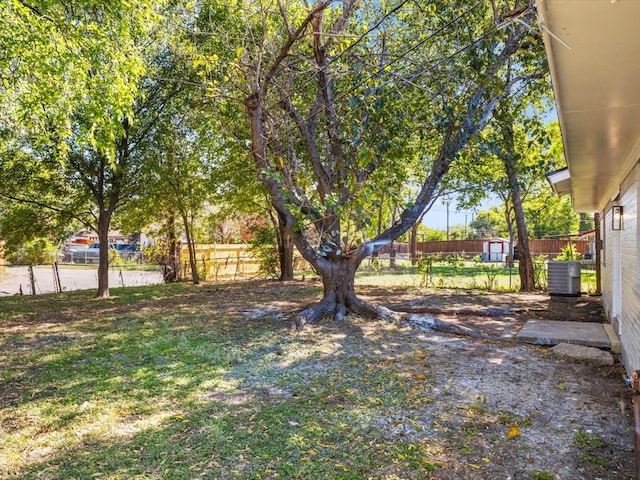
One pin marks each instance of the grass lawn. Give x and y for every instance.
(186, 382)
(154, 383)
(484, 275)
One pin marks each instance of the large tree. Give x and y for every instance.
(509, 161)
(74, 72)
(339, 92)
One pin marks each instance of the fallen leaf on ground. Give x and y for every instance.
(513, 432)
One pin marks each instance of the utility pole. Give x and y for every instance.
(447, 204)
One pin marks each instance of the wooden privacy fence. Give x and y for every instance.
(552, 247)
(235, 262)
(226, 262)
(470, 248)
(219, 262)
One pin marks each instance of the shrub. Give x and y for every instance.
(36, 251)
(262, 245)
(540, 272)
(568, 252)
(489, 269)
(425, 268)
(160, 253)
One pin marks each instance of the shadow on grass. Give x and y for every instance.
(174, 388)
(194, 382)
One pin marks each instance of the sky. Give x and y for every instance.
(436, 218)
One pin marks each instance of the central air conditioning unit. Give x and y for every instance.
(564, 278)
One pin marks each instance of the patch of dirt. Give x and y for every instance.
(505, 410)
(497, 314)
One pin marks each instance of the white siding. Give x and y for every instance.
(628, 322)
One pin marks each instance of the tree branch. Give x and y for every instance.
(286, 48)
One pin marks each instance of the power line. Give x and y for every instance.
(379, 70)
(351, 46)
(424, 71)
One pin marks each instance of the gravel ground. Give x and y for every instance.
(16, 279)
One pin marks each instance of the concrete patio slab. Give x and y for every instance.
(590, 355)
(552, 332)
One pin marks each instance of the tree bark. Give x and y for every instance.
(192, 250)
(104, 222)
(507, 217)
(171, 267)
(286, 251)
(339, 299)
(525, 269)
(526, 263)
(413, 244)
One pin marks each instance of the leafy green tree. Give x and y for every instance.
(426, 234)
(338, 94)
(71, 77)
(586, 222)
(77, 57)
(239, 194)
(36, 251)
(549, 215)
(546, 213)
(517, 153)
(489, 224)
(177, 172)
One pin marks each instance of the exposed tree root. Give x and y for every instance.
(328, 308)
(432, 323)
(482, 311)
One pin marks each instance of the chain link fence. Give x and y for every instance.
(55, 278)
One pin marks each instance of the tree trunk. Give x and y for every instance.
(526, 263)
(525, 270)
(392, 256)
(339, 300)
(171, 267)
(192, 250)
(507, 217)
(285, 247)
(104, 221)
(413, 244)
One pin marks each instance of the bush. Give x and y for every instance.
(161, 254)
(114, 257)
(425, 268)
(540, 280)
(489, 269)
(36, 251)
(568, 252)
(263, 246)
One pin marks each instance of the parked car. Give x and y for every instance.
(128, 251)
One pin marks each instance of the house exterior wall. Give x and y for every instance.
(622, 251)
